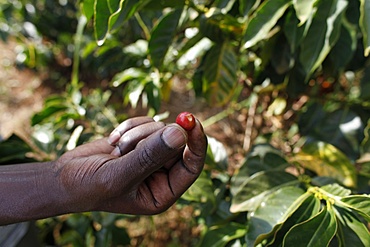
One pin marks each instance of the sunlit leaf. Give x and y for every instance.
(88, 8)
(274, 209)
(216, 154)
(336, 190)
(309, 207)
(220, 74)
(322, 35)
(127, 75)
(326, 160)
(162, 35)
(101, 18)
(303, 9)
(317, 231)
(251, 193)
(262, 157)
(359, 203)
(351, 231)
(263, 20)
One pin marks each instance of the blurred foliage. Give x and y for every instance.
(310, 58)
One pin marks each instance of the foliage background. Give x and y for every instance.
(282, 88)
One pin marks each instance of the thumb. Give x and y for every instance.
(152, 153)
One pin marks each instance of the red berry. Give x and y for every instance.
(186, 120)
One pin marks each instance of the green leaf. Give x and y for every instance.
(263, 20)
(262, 157)
(326, 160)
(365, 24)
(273, 210)
(221, 235)
(14, 150)
(351, 231)
(46, 113)
(322, 34)
(162, 35)
(246, 7)
(303, 9)
(344, 48)
(101, 18)
(88, 8)
(359, 203)
(109, 14)
(308, 206)
(317, 231)
(249, 194)
(127, 75)
(220, 74)
(336, 190)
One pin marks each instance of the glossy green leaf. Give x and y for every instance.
(88, 8)
(162, 35)
(249, 195)
(101, 18)
(326, 160)
(47, 112)
(359, 203)
(220, 74)
(263, 20)
(303, 9)
(365, 24)
(127, 9)
(262, 157)
(127, 75)
(322, 34)
(109, 14)
(246, 7)
(351, 231)
(308, 207)
(133, 92)
(273, 210)
(317, 231)
(336, 190)
(221, 235)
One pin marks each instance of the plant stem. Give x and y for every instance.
(82, 21)
(142, 25)
(229, 110)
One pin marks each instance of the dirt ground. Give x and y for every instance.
(22, 93)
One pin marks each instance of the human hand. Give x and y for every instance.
(147, 167)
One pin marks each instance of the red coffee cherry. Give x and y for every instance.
(186, 120)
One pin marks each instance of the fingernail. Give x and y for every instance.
(114, 137)
(116, 152)
(174, 137)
